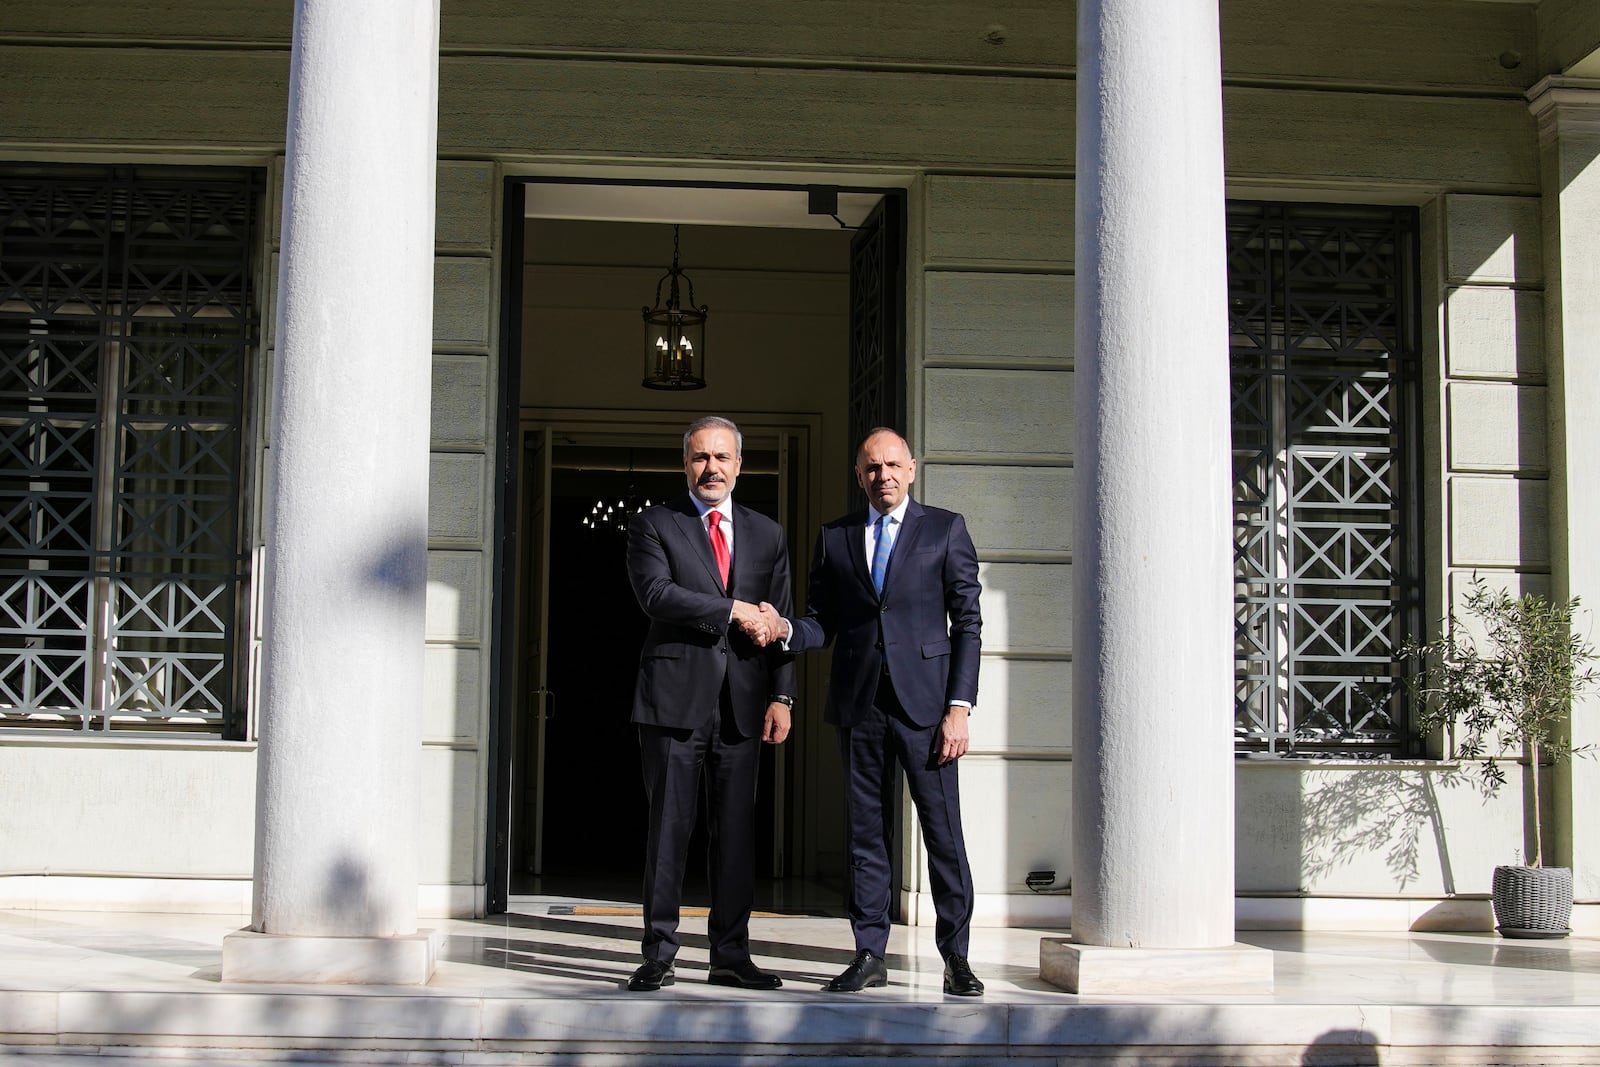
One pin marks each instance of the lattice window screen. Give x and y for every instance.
(1324, 369)
(127, 325)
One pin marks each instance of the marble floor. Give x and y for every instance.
(544, 985)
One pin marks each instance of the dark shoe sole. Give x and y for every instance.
(962, 993)
(870, 983)
(651, 988)
(733, 980)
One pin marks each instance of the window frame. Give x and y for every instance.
(1272, 592)
(199, 230)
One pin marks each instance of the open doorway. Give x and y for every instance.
(581, 804)
(788, 336)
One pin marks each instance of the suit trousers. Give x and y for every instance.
(674, 762)
(869, 749)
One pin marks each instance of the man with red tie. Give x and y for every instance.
(895, 590)
(707, 692)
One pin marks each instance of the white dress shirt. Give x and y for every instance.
(896, 517)
(726, 507)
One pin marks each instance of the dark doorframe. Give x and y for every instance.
(881, 307)
(878, 323)
(502, 653)
(878, 380)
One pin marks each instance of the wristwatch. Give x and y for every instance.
(787, 702)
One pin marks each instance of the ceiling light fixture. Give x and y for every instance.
(675, 335)
(614, 513)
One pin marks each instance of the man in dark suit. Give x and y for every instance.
(706, 694)
(896, 589)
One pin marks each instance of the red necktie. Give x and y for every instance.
(719, 545)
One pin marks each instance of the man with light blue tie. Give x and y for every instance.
(895, 589)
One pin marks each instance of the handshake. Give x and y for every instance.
(760, 622)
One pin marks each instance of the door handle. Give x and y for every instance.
(548, 703)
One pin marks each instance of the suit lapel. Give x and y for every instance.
(694, 530)
(856, 546)
(743, 529)
(905, 537)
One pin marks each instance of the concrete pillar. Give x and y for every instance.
(1152, 816)
(1568, 114)
(347, 495)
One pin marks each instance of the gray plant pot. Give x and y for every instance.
(1532, 901)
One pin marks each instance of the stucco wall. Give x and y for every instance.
(991, 404)
(1401, 829)
(96, 807)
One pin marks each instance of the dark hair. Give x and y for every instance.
(706, 422)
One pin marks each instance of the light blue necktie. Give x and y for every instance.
(880, 553)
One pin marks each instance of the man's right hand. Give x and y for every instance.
(754, 621)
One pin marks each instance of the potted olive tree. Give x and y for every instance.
(1507, 693)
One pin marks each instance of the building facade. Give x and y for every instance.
(295, 528)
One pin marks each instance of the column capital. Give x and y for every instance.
(1565, 107)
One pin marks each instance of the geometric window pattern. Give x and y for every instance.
(127, 324)
(1324, 364)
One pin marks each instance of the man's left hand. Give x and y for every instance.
(776, 728)
(953, 734)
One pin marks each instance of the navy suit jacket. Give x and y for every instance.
(926, 626)
(691, 645)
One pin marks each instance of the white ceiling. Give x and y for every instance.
(691, 205)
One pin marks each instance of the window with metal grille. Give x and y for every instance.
(127, 330)
(1324, 349)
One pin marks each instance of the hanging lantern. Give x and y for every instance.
(674, 335)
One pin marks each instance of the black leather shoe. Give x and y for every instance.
(959, 981)
(651, 976)
(745, 975)
(864, 972)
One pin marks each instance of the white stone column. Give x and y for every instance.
(1568, 115)
(1152, 816)
(347, 497)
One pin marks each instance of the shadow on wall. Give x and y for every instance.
(401, 569)
(1359, 813)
